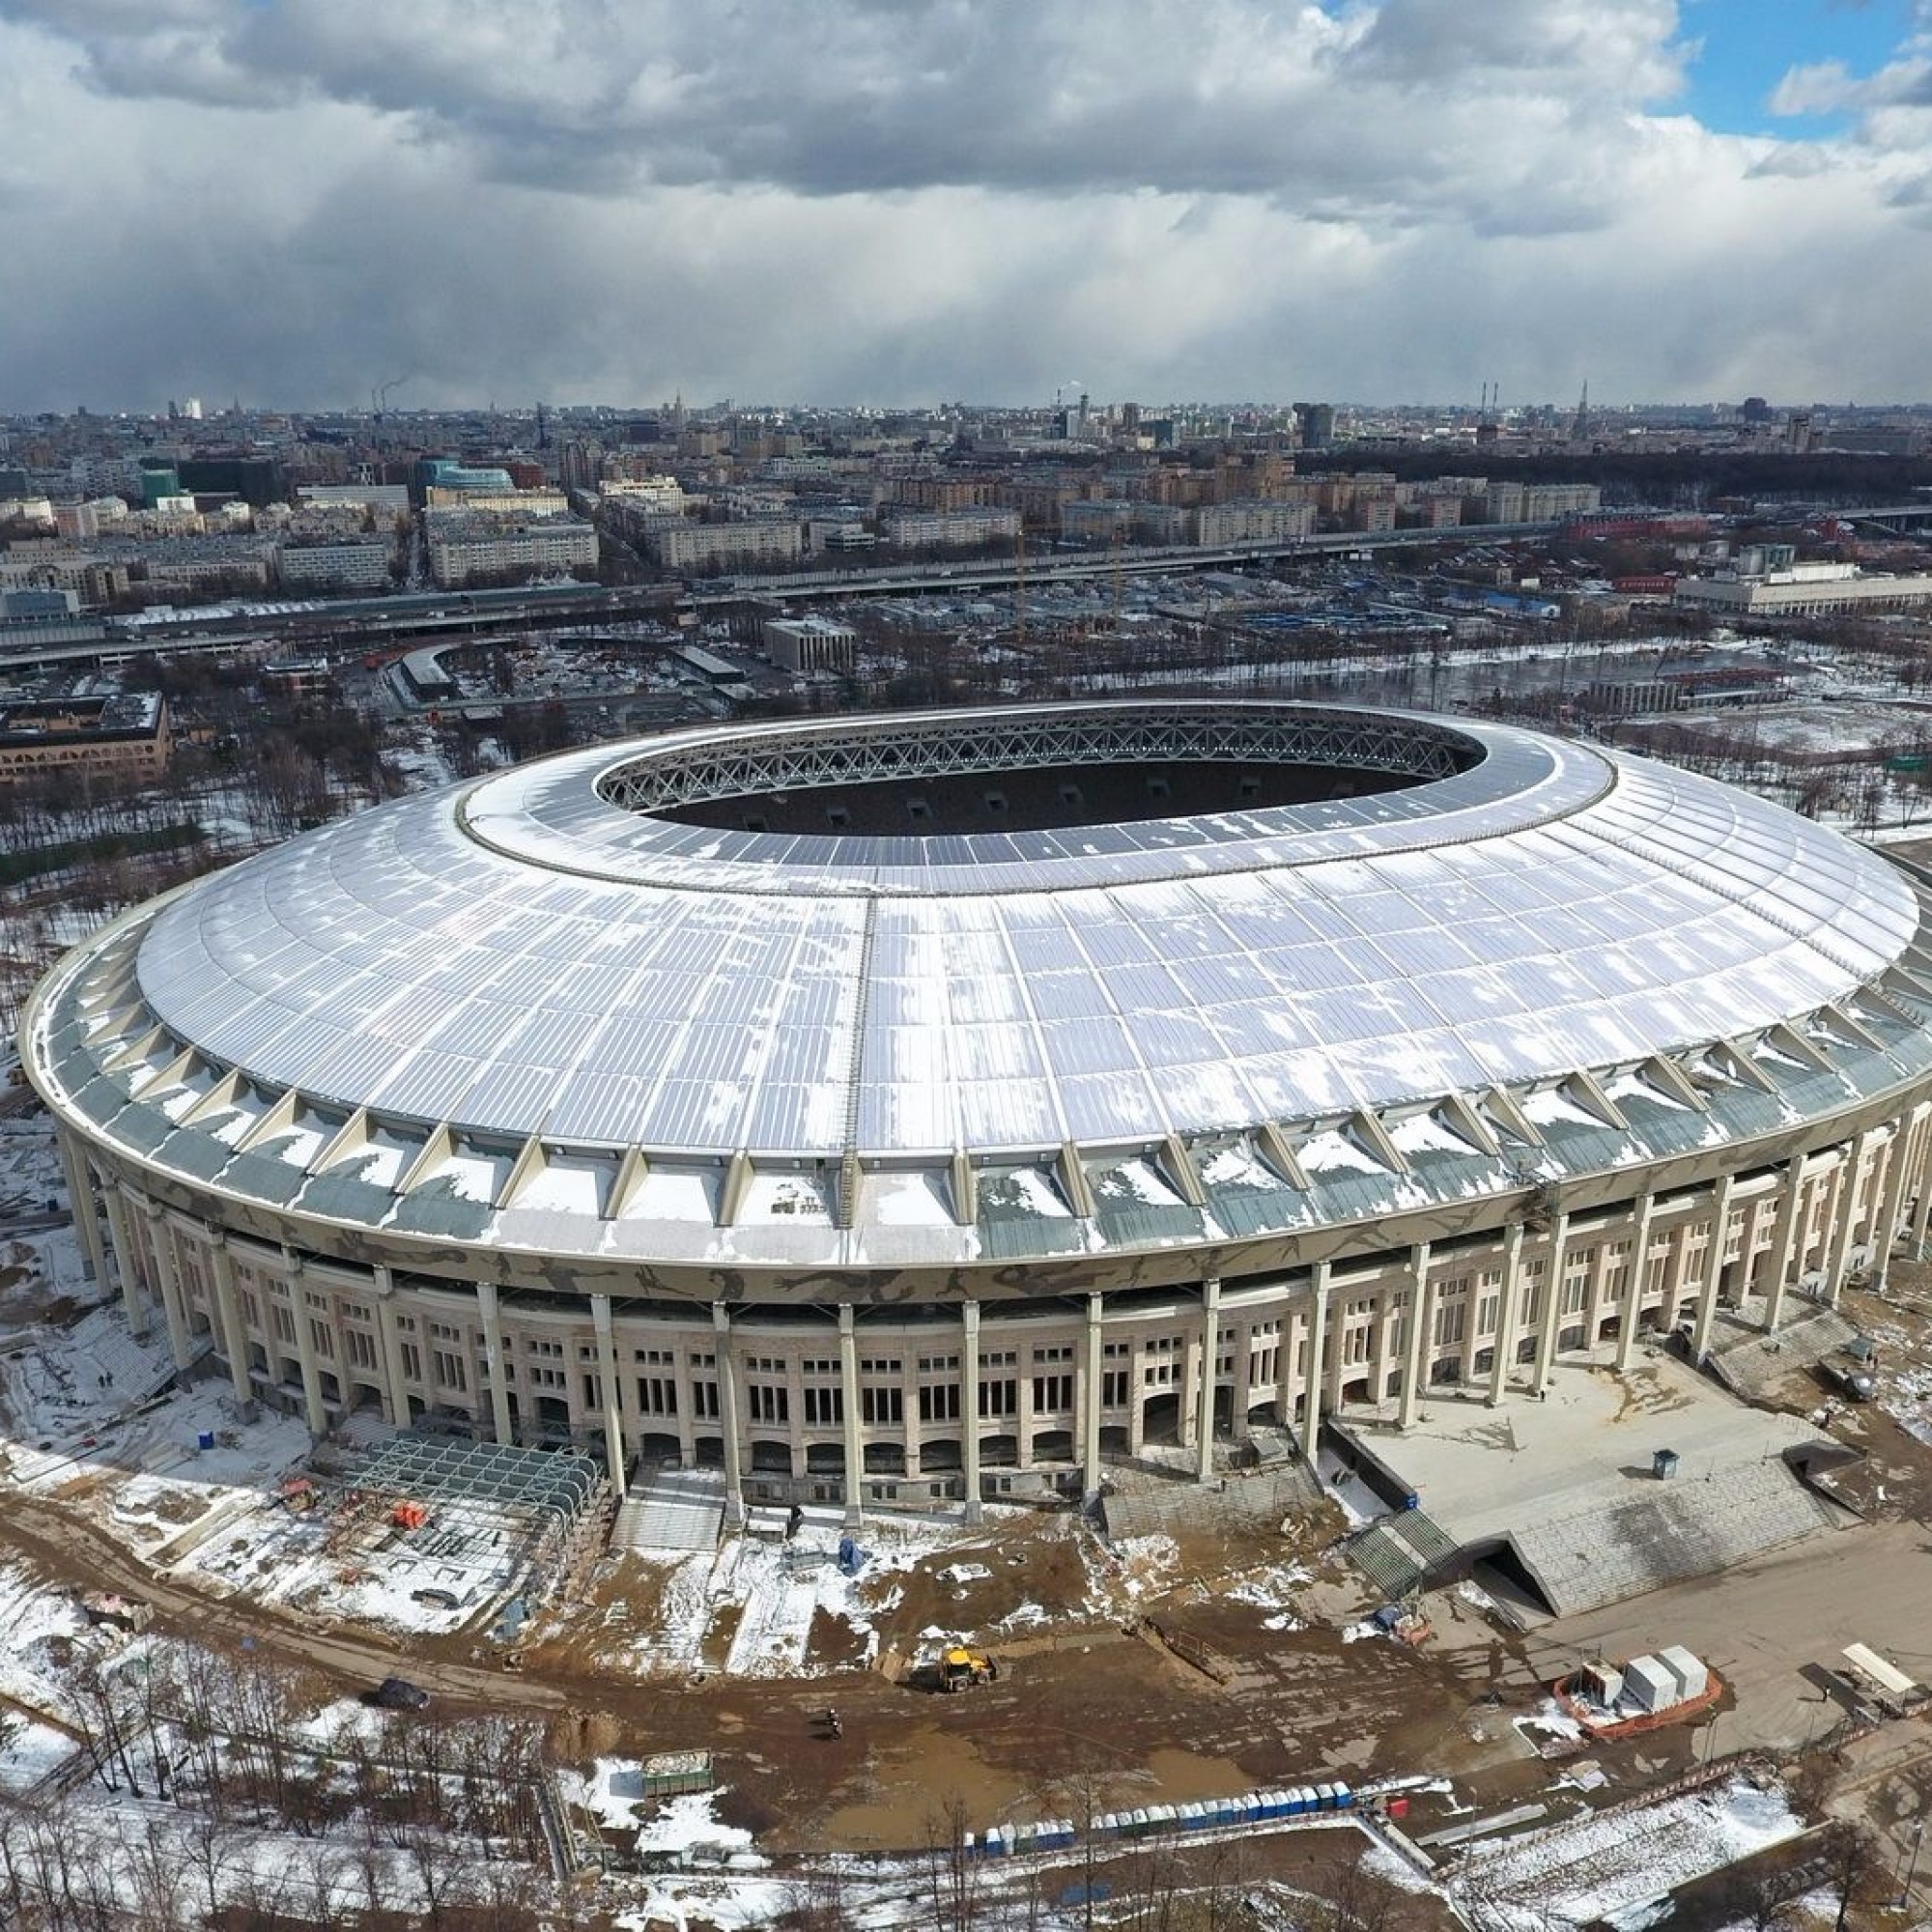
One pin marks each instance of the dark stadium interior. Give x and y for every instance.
(1036, 800)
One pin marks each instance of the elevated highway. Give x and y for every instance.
(351, 626)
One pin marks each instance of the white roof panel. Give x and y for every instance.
(527, 955)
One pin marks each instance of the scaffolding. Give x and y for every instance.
(561, 1483)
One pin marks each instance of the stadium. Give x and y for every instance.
(942, 1105)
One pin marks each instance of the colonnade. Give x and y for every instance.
(897, 1405)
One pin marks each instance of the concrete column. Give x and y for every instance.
(1509, 1299)
(1421, 1313)
(1314, 1382)
(233, 1337)
(314, 1410)
(1188, 1410)
(1923, 1191)
(1211, 1354)
(167, 1276)
(126, 1272)
(615, 1462)
(1892, 1197)
(727, 1416)
(909, 1432)
(1240, 1392)
(1554, 1271)
(1783, 1237)
(969, 1404)
(1713, 1270)
(1093, 1381)
(390, 1339)
(492, 1359)
(1845, 1202)
(848, 1385)
(1631, 1311)
(80, 1198)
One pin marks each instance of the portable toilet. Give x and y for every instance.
(1692, 1679)
(969, 1845)
(1650, 1685)
(1324, 1798)
(1193, 1816)
(1299, 1801)
(993, 1845)
(1344, 1799)
(1159, 1817)
(1225, 1811)
(1025, 1836)
(1137, 1822)
(1664, 1463)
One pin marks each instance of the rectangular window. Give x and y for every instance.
(657, 1395)
(1000, 1398)
(412, 1365)
(362, 1347)
(450, 1372)
(824, 1408)
(703, 1401)
(939, 1403)
(593, 1392)
(1052, 1392)
(767, 1401)
(284, 1323)
(1114, 1386)
(882, 1404)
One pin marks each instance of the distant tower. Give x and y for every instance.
(1579, 427)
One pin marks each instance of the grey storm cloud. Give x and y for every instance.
(614, 199)
(1334, 107)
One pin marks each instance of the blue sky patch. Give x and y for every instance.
(1749, 46)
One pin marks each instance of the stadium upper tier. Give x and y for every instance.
(1433, 958)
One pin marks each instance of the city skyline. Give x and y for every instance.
(1402, 200)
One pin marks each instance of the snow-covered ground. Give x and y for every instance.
(1608, 1865)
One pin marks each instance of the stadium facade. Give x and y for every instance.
(941, 1104)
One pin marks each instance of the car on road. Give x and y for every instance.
(398, 1693)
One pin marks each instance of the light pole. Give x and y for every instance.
(1911, 1862)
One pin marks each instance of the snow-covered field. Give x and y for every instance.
(1607, 1864)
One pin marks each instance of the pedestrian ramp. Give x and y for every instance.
(672, 1509)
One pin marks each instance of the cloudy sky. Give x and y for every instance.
(909, 201)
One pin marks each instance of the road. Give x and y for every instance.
(1764, 1622)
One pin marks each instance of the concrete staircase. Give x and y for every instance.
(672, 1509)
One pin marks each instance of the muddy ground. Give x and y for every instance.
(1191, 1694)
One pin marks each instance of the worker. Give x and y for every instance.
(832, 1724)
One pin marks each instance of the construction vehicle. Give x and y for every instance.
(960, 1669)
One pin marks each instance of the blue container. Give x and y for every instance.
(1327, 1794)
(206, 1439)
(969, 1845)
(995, 1847)
(1297, 1802)
(1344, 1799)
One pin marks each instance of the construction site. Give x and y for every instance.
(1061, 1696)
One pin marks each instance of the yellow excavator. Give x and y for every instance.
(960, 1669)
